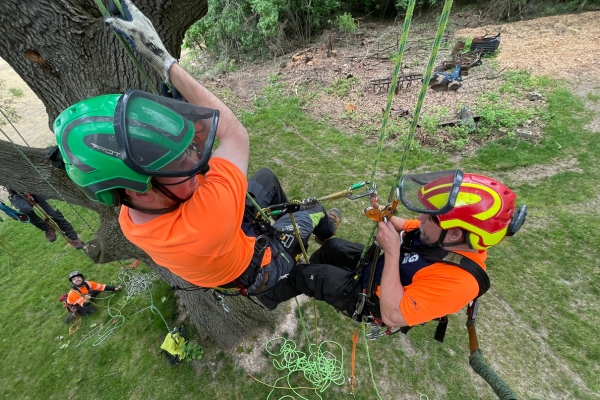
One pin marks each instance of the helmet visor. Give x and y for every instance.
(431, 193)
(159, 136)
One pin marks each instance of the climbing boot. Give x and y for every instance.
(335, 216)
(70, 317)
(78, 244)
(50, 235)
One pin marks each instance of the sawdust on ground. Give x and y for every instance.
(563, 46)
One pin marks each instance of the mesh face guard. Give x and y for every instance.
(435, 200)
(162, 137)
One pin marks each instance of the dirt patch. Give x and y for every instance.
(563, 46)
(560, 46)
(249, 353)
(33, 125)
(535, 173)
(589, 92)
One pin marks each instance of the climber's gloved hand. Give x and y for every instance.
(138, 31)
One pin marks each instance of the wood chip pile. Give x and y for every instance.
(564, 46)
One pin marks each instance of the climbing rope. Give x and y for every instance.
(13, 255)
(128, 50)
(135, 283)
(364, 327)
(45, 217)
(424, 87)
(320, 366)
(388, 108)
(393, 84)
(426, 78)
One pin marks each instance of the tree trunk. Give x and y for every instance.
(65, 53)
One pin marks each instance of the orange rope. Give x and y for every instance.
(354, 341)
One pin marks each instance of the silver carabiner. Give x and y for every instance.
(367, 192)
(375, 332)
(219, 298)
(360, 304)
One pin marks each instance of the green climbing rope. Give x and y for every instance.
(393, 84)
(128, 50)
(424, 87)
(320, 366)
(388, 106)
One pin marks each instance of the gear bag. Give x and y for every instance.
(69, 307)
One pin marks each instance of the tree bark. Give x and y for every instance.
(65, 53)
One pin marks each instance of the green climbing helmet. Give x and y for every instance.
(113, 142)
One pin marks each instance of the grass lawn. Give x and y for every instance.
(536, 325)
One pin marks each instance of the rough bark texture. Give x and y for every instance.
(65, 53)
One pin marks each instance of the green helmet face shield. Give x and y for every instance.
(418, 194)
(161, 137)
(115, 141)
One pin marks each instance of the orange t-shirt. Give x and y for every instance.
(439, 289)
(76, 297)
(202, 241)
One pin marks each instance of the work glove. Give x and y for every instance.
(138, 31)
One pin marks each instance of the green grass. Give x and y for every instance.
(342, 86)
(537, 324)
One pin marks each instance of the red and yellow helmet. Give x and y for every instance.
(482, 206)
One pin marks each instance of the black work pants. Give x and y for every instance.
(26, 208)
(85, 310)
(336, 283)
(266, 190)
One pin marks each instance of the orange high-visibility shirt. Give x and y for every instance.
(77, 297)
(202, 241)
(439, 289)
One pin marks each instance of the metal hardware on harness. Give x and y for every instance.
(360, 304)
(298, 237)
(374, 327)
(261, 243)
(382, 215)
(290, 207)
(472, 310)
(349, 192)
(367, 192)
(219, 297)
(374, 213)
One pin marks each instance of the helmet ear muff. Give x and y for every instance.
(109, 198)
(472, 241)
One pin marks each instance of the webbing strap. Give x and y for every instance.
(437, 254)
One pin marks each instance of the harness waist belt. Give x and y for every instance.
(250, 274)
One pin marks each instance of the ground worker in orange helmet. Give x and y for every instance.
(423, 274)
